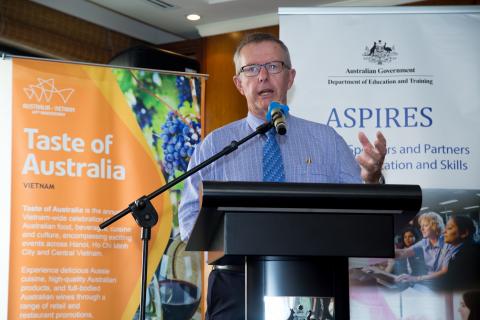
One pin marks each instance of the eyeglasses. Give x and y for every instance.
(253, 70)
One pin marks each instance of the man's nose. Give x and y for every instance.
(263, 74)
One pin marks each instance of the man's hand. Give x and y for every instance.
(372, 157)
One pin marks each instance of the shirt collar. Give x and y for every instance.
(253, 121)
(439, 243)
(457, 248)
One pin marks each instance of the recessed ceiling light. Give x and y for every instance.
(193, 17)
(446, 211)
(448, 202)
(423, 208)
(472, 207)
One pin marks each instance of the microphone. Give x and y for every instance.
(276, 114)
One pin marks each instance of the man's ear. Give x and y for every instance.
(291, 77)
(238, 84)
(464, 235)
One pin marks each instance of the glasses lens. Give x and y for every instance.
(251, 70)
(254, 69)
(274, 67)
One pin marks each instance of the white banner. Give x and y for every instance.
(414, 74)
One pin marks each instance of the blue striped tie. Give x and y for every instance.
(273, 170)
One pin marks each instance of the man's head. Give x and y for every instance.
(263, 71)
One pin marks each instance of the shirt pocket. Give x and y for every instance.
(315, 172)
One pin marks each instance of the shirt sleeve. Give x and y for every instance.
(418, 248)
(445, 256)
(190, 203)
(349, 170)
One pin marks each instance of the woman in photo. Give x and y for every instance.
(469, 308)
(430, 248)
(413, 265)
(463, 270)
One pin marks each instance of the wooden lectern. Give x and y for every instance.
(295, 238)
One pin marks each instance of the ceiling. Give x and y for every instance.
(163, 21)
(451, 201)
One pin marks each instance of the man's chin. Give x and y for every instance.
(265, 100)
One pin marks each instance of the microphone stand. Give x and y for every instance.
(146, 216)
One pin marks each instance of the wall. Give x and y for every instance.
(49, 33)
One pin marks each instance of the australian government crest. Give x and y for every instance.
(379, 52)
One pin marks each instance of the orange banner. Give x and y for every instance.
(78, 158)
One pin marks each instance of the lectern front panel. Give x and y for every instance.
(307, 234)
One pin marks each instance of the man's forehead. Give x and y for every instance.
(261, 50)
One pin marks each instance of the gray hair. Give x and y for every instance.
(258, 37)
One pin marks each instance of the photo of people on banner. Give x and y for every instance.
(437, 258)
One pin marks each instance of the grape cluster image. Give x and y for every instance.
(167, 109)
(184, 90)
(179, 140)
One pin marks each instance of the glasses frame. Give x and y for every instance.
(263, 65)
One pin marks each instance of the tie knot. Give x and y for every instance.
(271, 133)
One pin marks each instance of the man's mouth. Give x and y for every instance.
(265, 92)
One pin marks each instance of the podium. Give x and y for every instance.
(294, 239)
